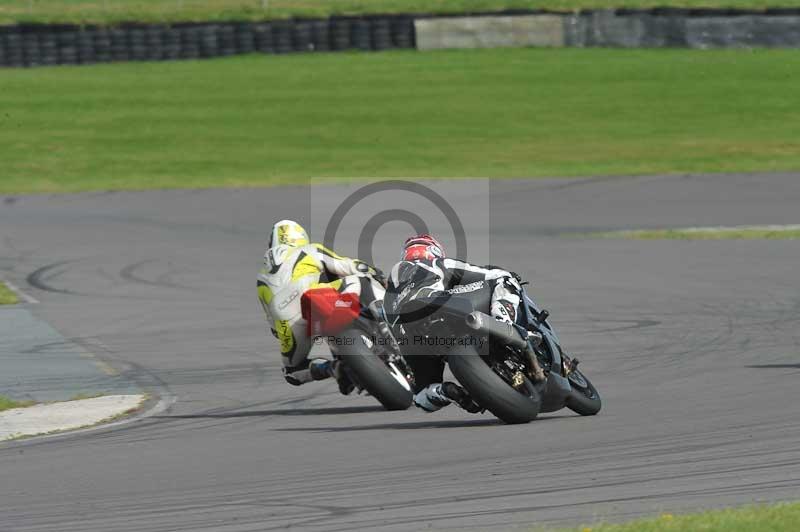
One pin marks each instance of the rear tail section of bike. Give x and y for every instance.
(359, 343)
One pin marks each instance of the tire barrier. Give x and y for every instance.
(29, 45)
(340, 34)
(282, 37)
(381, 35)
(360, 35)
(321, 33)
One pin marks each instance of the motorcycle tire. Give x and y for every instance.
(492, 392)
(372, 373)
(583, 399)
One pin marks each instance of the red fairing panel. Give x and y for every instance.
(327, 311)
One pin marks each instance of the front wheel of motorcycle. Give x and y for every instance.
(511, 405)
(384, 383)
(583, 399)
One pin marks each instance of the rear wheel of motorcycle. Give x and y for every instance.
(490, 391)
(372, 373)
(583, 399)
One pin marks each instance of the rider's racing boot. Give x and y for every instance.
(431, 398)
(459, 395)
(346, 386)
(439, 395)
(322, 368)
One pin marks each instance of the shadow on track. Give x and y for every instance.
(402, 426)
(280, 412)
(417, 425)
(774, 366)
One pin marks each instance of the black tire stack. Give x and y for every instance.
(171, 42)
(36, 44)
(262, 35)
(403, 33)
(48, 48)
(381, 34)
(102, 45)
(282, 36)
(226, 37)
(153, 43)
(321, 35)
(209, 44)
(302, 36)
(84, 41)
(11, 48)
(66, 41)
(340, 33)
(138, 43)
(360, 34)
(189, 41)
(245, 41)
(120, 48)
(31, 52)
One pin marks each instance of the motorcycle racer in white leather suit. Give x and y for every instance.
(293, 265)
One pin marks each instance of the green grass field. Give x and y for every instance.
(7, 297)
(110, 11)
(708, 233)
(775, 518)
(261, 120)
(8, 404)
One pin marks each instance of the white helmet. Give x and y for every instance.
(288, 233)
(285, 234)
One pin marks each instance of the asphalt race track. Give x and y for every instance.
(695, 347)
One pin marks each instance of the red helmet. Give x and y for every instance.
(422, 247)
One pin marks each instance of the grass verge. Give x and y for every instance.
(7, 297)
(709, 233)
(97, 11)
(773, 518)
(261, 120)
(8, 404)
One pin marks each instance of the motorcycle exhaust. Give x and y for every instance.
(499, 329)
(507, 333)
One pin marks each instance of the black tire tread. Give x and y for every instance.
(489, 390)
(373, 373)
(581, 404)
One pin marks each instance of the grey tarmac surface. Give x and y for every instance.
(695, 347)
(40, 365)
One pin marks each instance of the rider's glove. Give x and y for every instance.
(372, 271)
(514, 283)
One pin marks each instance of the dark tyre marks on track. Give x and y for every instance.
(41, 277)
(128, 273)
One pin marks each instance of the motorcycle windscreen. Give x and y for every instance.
(328, 312)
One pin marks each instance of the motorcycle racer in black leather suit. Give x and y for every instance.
(424, 272)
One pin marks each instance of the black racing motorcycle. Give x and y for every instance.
(515, 370)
